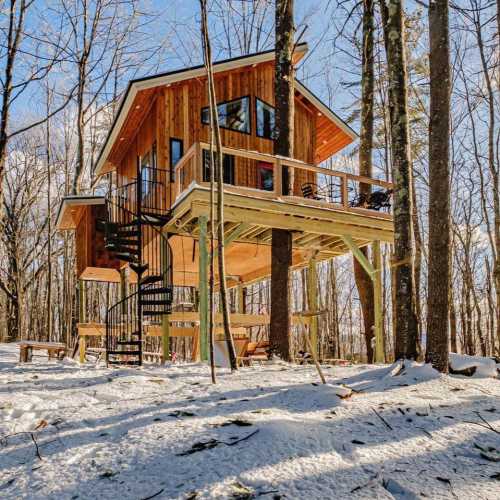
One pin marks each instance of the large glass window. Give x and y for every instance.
(265, 119)
(176, 153)
(234, 115)
(228, 165)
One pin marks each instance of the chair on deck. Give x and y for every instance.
(374, 201)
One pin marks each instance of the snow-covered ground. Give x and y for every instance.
(70, 432)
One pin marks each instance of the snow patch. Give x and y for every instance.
(484, 367)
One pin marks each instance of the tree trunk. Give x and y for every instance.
(363, 281)
(281, 244)
(437, 348)
(220, 190)
(404, 314)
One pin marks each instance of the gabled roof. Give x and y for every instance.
(151, 82)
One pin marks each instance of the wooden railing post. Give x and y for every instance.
(278, 177)
(345, 192)
(198, 164)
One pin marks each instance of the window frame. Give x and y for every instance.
(248, 97)
(172, 166)
(260, 136)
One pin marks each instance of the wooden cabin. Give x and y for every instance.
(160, 136)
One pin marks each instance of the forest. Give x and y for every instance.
(66, 64)
(219, 321)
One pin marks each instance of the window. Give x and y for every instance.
(148, 171)
(228, 165)
(265, 176)
(265, 119)
(234, 115)
(176, 153)
(146, 162)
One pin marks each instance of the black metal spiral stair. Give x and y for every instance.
(136, 213)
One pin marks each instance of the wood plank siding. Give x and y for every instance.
(174, 111)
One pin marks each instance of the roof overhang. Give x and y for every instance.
(71, 208)
(323, 108)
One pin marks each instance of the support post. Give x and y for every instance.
(82, 346)
(81, 319)
(312, 297)
(165, 338)
(165, 320)
(241, 299)
(203, 287)
(377, 302)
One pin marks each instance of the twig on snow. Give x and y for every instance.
(36, 446)
(383, 419)
(153, 495)
(489, 426)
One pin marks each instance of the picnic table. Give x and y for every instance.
(54, 349)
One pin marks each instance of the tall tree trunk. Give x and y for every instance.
(281, 245)
(404, 314)
(363, 281)
(437, 348)
(220, 190)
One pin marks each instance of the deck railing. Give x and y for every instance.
(316, 185)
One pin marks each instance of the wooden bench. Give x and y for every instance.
(54, 349)
(255, 351)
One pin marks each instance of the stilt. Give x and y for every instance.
(81, 319)
(377, 301)
(281, 261)
(312, 297)
(203, 287)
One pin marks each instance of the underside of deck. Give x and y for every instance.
(319, 231)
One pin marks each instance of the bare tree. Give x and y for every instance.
(214, 120)
(439, 188)
(404, 314)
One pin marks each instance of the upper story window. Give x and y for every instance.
(233, 115)
(176, 152)
(265, 119)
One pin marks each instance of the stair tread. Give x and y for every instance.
(127, 362)
(156, 291)
(151, 278)
(124, 353)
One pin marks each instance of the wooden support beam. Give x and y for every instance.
(81, 319)
(82, 347)
(235, 234)
(377, 302)
(365, 263)
(203, 280)
(312, 297)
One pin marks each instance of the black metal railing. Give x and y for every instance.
(136, 213)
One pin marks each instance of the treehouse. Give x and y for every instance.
(152, 226)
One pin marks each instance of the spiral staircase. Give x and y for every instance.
(136, 213)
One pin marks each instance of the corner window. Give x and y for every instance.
(233, 115)
(176, 153)
(265, 119)
(227, 163)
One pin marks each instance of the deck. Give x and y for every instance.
(323, 228)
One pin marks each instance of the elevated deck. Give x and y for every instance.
(321, 228)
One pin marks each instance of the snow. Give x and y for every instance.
(485, 367)
(270, 431)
